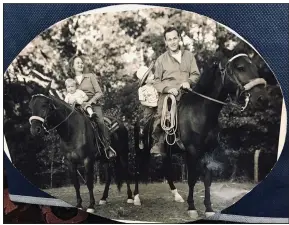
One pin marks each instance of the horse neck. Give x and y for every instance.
(61, 119)
(212, 86)
(218, 91)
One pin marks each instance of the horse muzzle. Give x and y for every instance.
(258, 92)
(36, 126)
(36, 130)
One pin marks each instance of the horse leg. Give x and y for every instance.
(107, 170)
(168, 173)
(193, 175)
(73, 175)
(207, 201)
(88, 165)
(129, 193)
(127, 178)
(136, 200)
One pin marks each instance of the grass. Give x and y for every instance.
(157, 200)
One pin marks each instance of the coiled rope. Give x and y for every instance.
(169, 118)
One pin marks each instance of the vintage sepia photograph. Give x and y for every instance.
(154, 115)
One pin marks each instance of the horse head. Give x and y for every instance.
(41, 106)
(241, 80)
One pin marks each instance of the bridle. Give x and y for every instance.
(240, 90)
(44, 120)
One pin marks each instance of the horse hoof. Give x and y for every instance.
(102, 202)
(136, 200)
(90, 210)
(130, 201)
(193, 214)
(209, 214)
(179, 198)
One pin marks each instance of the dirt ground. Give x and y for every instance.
(157, 200)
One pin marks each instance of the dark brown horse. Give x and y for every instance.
(234, 78)
(79, 143)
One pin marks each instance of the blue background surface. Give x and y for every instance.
(265, 26)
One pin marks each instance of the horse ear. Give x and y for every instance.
(223, 62)
(48, 88)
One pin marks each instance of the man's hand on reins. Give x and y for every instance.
(186, 86)
(173, 91)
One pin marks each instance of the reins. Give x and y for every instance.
(73, 110)
(207, 97)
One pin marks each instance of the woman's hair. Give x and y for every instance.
(69, 81)
(71, 62)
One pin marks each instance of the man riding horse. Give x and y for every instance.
(175, 69)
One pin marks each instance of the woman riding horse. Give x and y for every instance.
(87, 82)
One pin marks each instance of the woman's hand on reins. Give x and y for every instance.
(85, 104)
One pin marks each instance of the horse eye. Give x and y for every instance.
(241, 68)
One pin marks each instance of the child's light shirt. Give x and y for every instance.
(148, 94)
(78, 96)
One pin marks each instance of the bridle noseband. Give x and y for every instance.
(43, 120)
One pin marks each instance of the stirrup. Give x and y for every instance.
(180, 144)
(157, 155)
(110, 149)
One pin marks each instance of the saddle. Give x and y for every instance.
(111, 124)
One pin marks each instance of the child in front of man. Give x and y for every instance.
(148, 96)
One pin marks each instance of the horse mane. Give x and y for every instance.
(60, 101)
(207, 78)
(206, 81)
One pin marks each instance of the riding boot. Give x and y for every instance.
(158, 148)
(108, 150)
(103, 131)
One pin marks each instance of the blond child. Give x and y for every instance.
(75, 95)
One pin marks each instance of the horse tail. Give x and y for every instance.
(118, 173)
(122, 149)
(142, 156)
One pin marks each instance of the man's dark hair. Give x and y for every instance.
(170, 29)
